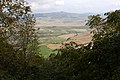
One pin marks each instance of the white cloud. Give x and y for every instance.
(46, 4)
(59, 2)
(34, 6)
(116, 3)
(74, 5)
(41, 5)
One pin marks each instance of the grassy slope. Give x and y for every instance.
(46, 51)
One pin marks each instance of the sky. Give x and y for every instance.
(74, 6)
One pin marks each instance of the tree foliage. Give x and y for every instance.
(19, 58)
(17, 25)
(99, 60)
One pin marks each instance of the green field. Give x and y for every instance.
(46, 51)
(49, 35)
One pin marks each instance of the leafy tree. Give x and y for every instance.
(99, 60)
(17, 26)
(19, 58)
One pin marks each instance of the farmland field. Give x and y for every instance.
(53, 33)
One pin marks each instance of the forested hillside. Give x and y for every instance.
(21, 60)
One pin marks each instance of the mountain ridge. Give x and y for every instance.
(62, 15)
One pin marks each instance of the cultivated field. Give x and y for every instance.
(54, 33)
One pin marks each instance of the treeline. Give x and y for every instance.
(21, 60)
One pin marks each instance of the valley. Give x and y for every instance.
(54, 33)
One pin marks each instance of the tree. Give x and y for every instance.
(106, 43)
(19, 58)
(99, 60)
(17, 26)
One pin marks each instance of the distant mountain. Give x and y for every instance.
(62, 15)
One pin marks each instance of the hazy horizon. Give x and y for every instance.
(74, 6)
(64, 12)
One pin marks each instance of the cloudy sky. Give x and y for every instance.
(74, 6)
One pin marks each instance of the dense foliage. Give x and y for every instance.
(100, 59)
(20, 59)
(18, 41)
